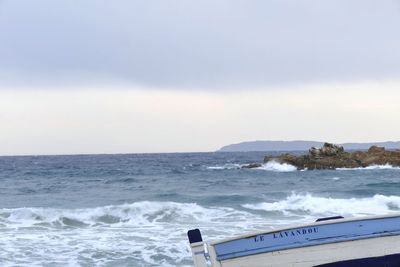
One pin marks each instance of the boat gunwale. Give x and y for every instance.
(289, 227)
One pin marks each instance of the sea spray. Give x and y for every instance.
(277, 167)
(372, 167)
(322, 206)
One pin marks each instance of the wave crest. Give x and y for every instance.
(135, 214)
(372, 167)
(277, 167)
(228, 166)
(297, 204)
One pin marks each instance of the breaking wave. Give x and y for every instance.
(308, 204)
(147, 233)
(138, 231)
(135, 214)
(277, 167)
(372, 167)
(228, 166)
(130, 234)
(269, 166)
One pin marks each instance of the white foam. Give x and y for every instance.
(146, 233)
(138, 213)
(277, 167)
(372, 167)
(308, 204)
(150, 233)
(228, 166)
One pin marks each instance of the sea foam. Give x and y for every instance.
(129, 234)
(277, 167)
(228, 166)
(269, 166)
(307, 204)
(372, 167)
(134, 214)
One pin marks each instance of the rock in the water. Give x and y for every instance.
(327, 150)
(251, 166)
(331, 156)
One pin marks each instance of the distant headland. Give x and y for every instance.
(299, 145)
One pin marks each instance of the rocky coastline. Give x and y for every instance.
(331, 156)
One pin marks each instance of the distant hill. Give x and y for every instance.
(298, 145)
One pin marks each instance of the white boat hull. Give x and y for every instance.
(322, 254)
(367, 242)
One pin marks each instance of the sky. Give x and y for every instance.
(97, 76)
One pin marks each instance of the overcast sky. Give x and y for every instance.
(93, 76)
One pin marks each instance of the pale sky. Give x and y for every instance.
(98, 76)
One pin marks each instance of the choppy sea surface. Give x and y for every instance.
(135, 209)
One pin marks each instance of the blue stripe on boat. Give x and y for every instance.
(384, 261)
(308, 236)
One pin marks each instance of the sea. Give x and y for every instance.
(135, 209)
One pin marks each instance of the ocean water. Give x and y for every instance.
(135, 209)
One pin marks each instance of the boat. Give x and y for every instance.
(372, 241)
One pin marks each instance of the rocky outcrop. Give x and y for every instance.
(331, 156)
(252, 166)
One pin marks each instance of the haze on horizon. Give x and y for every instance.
(175, 76)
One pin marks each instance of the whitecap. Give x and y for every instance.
(277, 167)
(296, 204)
(372, 167)
(134, 214)
(228, 166)
(129, 234)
